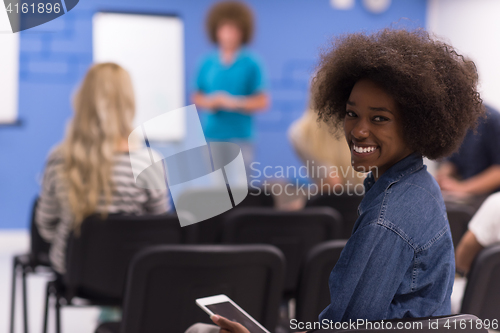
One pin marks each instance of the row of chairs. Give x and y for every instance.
(249, 230)
(163, 281)
(346, 204)
(210, 232)
(121, 236)
(159, 296)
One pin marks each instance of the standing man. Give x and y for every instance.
(230, 82)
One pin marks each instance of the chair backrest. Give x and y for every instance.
(257, 198)
(345, 204)
(165, 281)
(39, 248)
(458, 217)
(97, 259)
(313, 294)
(482, 293)
(293, 232)
(463, 323)
(210, 230)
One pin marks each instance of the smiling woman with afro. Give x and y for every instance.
(433, 86)
(399, 95)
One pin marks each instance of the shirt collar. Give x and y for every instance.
(237, 57)
(406, 166)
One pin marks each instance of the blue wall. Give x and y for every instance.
(55, 56)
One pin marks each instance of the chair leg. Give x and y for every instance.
(13, 297)
(25, 302)
(46, 314)
(58, 314)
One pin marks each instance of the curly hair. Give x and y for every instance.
(434, 87)
(232, 11)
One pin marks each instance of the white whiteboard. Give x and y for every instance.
(151, 49)
(9, 69)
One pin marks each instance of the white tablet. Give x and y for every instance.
(225, 307)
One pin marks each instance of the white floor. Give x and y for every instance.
(74, 320)
(458, 294)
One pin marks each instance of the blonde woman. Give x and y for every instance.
(90, 171)
(327, 158)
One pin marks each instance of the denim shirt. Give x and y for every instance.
(399, 261)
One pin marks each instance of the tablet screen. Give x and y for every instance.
(228, 310)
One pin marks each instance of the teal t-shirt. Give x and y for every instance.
(243, 77)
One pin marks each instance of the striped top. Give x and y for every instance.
(53, 214)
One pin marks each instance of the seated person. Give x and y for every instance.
(331, 168)
(90, 171)
(386, 91)
(484, 230)
(325, 166)
(475, 168)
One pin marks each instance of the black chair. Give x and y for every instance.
(257, 198)
(97, 260)
(458, 217)
(34, 261)
(345, 204)
(313, 294)
(164, 282)
(293, 232)
(481, 296)
(210, 231)
(463, 323)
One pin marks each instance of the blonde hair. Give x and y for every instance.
(104, 109)
(328, 148)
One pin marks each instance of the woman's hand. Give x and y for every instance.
(228, 326)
